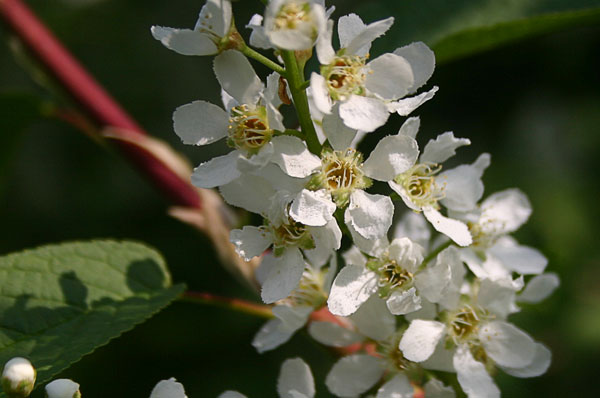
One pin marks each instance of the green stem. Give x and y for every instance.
(247, 307)
(435, 252)
(250, 53)
(295, 78)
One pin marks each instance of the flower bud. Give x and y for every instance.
(62, 388)
(18, 378)
(168, 389)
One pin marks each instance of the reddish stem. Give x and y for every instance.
(94, 99)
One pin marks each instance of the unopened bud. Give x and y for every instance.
(168, 389)
(18, 378)
(62, 388)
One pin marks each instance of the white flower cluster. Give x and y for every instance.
(402, 311)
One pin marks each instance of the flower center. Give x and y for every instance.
(291, 14)
(249, 128)
(391, 276)
(345, 76)
(291, 234)
(420, 186)
(341, 173)
(464, 323)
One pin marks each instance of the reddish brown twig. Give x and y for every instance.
(94, 100)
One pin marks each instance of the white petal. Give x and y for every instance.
(216, 16)
(506, 344)
(436, 389)
(410, 127)
(405, 106)
(389, 76)
(284, 277)
(314, 208)
(237, 77)
(338, 134)
(271, 93)
(539, 365)
(295, 375)
(442, 148)
(522, 259)
(280, 180)
(163, 389)
(250, 241)
(353, 375)
(184, 41)
(231, 394)
(451, 296)
(406, 253)
(249, 192)
(420, 339)
(325, 52)
(361, 43)
(370, 215)
(200, 123)
(327, 239)
(320, 93)
(393, 155)
(404, 302)
(351, 287)
(499, 296)
(539, 288)
(354, 256)
(415, 227)
(422, 62)
(293, 317)
(372, 247)
(290, 153)
(271, 335)
(374, 320)
(472, 376)
(217, 171)
(463, 186)
(432, 281)
(397, 387)
(332, 334)
(258, 38)
(349, 26)
(505, 211)
(441, 359)
(454, 229)
(363, 113)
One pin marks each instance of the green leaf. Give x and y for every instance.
(60, 302)
(456, 28)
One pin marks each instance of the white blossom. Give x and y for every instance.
(212, 28)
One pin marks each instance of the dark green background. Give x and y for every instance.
(534, 105)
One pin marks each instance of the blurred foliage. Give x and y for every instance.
(56, 294)
(533, 105)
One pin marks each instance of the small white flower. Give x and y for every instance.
(368, 91)
(168, 389)
(289, 24)
(495, 254)
(395, 275)
(62, 388)
(480, 338)
(249, 121)
(418, 181)
(208, 36)
(18, 377)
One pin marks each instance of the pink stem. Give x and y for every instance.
(94, 99)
